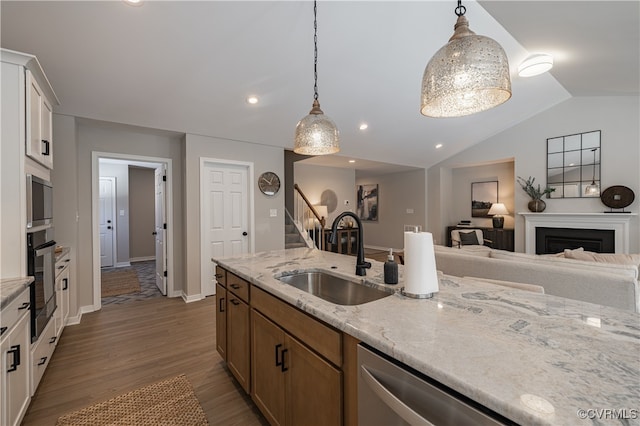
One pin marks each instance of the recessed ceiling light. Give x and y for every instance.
(133, 2)
(352, 161)
(438, 146)
(364, 126)
(252, 100)
(535, 65)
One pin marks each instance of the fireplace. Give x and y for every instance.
(618, 224)
(555, 240)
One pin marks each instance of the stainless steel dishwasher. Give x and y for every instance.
(389, 393)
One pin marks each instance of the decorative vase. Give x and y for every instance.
(537, 206)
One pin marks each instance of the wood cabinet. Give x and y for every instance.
(15, 342)
(292, 384)
(501, 238)
(39, 140)
(232, 325)
(347, 241)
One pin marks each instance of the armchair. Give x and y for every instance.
(468, 237)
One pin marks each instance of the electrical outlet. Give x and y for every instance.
(409, 211)
(273, 212)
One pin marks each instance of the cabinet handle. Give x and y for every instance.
(42, 360)
(25, 305)
(46, 147)
(15, 351)
(67, 260)
(282, 367)
(278, 362)
(60, 267)
(2, 330)
(218, 276)
(221, 305)
(66, 283)
(234, 301)
(235, 286)
(53, 339)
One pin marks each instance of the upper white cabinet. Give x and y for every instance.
(38, 123)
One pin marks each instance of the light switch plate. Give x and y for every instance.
(273, 212)
(121, 212)
(409, 211)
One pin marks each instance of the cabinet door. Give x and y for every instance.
(15, 373)
(238, 340)
(266, 365)
(34, 115)
(313, 387)
(221, 321)
(46, 133)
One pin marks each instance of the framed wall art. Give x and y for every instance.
(483, 195)
(367, 199)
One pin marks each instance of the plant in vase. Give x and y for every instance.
(536, 193)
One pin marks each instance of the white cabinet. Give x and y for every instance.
(62, 293)
(39, 141)
(14, 349)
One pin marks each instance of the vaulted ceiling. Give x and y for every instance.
(189, 66)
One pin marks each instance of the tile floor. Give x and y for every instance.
(146, 271)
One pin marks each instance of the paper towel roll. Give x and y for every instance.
(420, 275)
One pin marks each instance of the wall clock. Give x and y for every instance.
(269, 183)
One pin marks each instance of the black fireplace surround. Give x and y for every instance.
(555, 240)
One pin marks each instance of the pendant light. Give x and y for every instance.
(469, 74)
(316, 134)
(592, 189)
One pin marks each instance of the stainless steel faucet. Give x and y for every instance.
(361, 265)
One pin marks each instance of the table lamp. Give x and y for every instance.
(497, 210)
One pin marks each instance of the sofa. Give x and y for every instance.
(608, 284)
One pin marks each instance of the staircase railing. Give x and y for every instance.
(307, 218)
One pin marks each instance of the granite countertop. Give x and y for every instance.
(533, 358)
(10, 288)
(61, 251)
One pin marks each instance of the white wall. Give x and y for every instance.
(463, 177)
(314, 180)
(401, 201)
(268, 233)
(617, 117)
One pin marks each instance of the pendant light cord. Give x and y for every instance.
(460, 10)
(315, 50)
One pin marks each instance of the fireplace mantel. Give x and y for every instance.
(619, 222)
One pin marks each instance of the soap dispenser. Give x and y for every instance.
(390, 270)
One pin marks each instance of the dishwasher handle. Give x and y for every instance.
(392, 401)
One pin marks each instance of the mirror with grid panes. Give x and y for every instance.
(573, 165)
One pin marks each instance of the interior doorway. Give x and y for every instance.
(140, 225)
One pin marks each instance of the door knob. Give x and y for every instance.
(108, 227)
(245, 233)
(108, 221)
(154, 233)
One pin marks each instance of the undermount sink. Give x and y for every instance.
(334, 289)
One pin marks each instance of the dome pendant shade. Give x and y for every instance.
(316, 134)
(467, 75)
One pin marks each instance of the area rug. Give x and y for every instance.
(169, 402)
(119, 281)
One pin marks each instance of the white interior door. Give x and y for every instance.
(225, 216)
(160, 230)
(107, 215)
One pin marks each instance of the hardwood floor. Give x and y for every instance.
(124, 347)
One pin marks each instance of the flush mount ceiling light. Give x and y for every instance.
(252, 100)
(364, 126)
(535, 65)
(469, 74)
(316, 134)
(133, 2)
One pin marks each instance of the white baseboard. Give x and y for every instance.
(83, 310)
(141, 259)
(122, 264)
(192, 298)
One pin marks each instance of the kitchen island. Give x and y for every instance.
(500, 347)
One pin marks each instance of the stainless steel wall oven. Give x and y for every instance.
(41, 265)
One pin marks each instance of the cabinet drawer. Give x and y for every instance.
(14, 311)
(318, 336)
(41, 354)
(238, 286)
(62, 264)
(221, 276)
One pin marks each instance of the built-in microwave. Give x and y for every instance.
(39, 202)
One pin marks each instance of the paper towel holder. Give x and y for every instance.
(416, 296)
